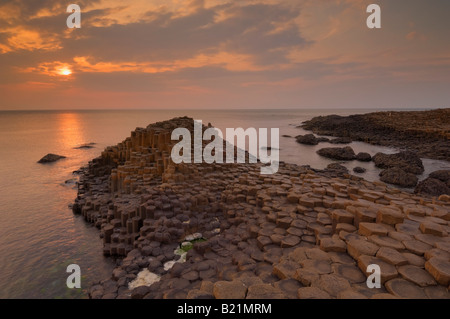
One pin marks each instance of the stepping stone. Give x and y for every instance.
(416, 247)
(295, 231)
(407, 229)
(368, 229)
(288, 287)
(290, 241)
(385, 241)
(399, 236)
(321, 267)
(428, 239)
(341, 216)
(416, 275)
(364, 215)
(438, 253)
(389, 216)
(392, 256)
(333, 244)
(312, 293)
(333, 284)
(443, 246)
(388, 271)
(284, 222)
(358, 247)
(316, 253)
(439, 269)
(341, 258)
(350, 272)
(298, 255)
(264, 291)
(437, 292)
(414, 260)
(199, 294)
(276, 239)
(263, 241)
(306, 276)
(229, 290)
(405, 289)
(428, 227)
(347, 227)
(285, 269)
(298, 223)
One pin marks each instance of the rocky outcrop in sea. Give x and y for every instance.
(226, 231)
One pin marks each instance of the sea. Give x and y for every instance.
(39, 234)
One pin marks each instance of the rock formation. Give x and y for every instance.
(226, 231)
(50, 158)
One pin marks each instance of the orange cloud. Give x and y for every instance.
(20, 38)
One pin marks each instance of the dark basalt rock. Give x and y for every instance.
(342, 154)
(359, 170)
(407, 161)
(397, 176)
(50, 158)
(341, 140)
(433, 187)
(308, 139)
(363, 157)
(438, 183)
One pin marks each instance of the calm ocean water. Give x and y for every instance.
(39, 235)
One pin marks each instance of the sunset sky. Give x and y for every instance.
(220, 54)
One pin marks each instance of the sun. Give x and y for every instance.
(65, 71)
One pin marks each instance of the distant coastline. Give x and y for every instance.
(425, 132)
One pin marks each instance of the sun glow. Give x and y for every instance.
(65, 71)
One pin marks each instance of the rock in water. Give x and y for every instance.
(432, 186)
(85, 146)
(397, 176)
(359, 170)
(308, 139)
(442, 175)
(407, 161)
(338, 153)
(363, 157)
(341, 140)
(49, 158)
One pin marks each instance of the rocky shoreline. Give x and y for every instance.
(225, 231)
(425, 132)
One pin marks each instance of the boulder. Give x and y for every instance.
(85, 146)
(398, 176)
(308, 139)
(337, 167)
(442, 175)
(433, 187)
(363, 157)
(338, 153)
(50, 158)
(359, 170)
(407, 161)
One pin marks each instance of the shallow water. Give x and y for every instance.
(39, 235)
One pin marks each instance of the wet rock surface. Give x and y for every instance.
(203, 231)
(50, 158)
(338, 153)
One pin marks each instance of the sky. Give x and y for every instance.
(224, 54)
